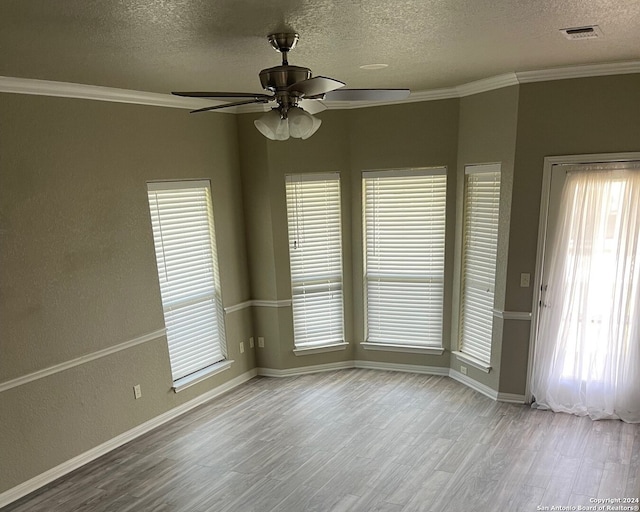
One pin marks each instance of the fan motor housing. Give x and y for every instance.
(280, 77)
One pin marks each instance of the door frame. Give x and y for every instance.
(549, 163)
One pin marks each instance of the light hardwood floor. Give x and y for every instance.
(360, 440)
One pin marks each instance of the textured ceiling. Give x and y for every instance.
(165, 45)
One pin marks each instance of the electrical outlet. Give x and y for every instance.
(251, 343)
(137, 392)
(260, 341)
(463, 370)
(525, 280)
(242, 347)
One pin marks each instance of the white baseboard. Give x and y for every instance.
(511, 398)
(395, 367)
(342, 365)
(409, 368)
(486, 390)
(43, 479)
(305, 370)
(66, 467)
(473, 384)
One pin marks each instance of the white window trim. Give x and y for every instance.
(200, 375)
(472, 169)
(472, 361)
(333, 347)
(177, 184)
(399, 173)
(407, 349)
(385, 346)
(485, 366)
(313, 347)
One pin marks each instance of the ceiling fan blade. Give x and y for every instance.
(235, 104)
(221, 95)
(367, 95)
(315, 86)
(312, 106)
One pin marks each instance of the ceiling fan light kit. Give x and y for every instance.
(290, 87)
(301, 125)
(298, 124)
(272, 126)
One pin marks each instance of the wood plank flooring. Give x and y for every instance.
(356, 440)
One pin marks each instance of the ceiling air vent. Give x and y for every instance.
(588, 32)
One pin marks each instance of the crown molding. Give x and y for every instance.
(585, 71)
(487, 84)
(100, 93)
(484, 85)
(96, 93)
(414, 97)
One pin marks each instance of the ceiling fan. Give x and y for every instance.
(297, 94)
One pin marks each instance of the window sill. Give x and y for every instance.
(408, 349)
(318, 350)
(199, 376)
(476, 363)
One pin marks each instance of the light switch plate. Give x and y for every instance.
(525, 280)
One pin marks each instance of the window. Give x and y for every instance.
(404, 228)
(587, 349)
(315, 255)
(479, 254)
(183, 232)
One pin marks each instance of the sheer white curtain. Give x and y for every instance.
(587, 358)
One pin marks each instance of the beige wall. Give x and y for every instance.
(564, 117)
(78, 271)
(515, 126)
(264, 193)
(349, 141)
(77, 266)
(403, 136)
(488, 127)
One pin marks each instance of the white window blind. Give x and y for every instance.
(315, 255)
(481, 208)
(183, 232)
(404, 229)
